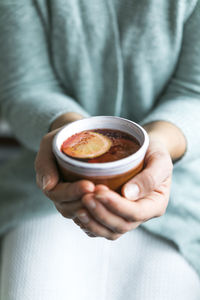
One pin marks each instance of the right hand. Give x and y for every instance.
(66, 196)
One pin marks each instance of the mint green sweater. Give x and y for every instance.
(136, 59)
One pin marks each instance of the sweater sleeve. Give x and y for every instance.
(31, 97)
(180, 104)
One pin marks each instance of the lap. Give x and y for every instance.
(51, 258)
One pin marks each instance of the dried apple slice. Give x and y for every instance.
(86, 144)
(121, 148)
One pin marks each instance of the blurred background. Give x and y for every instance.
(9, 147)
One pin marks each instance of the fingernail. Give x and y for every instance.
(45, 181)
(83, 218)
(101, 198)
(131, 191)
(91, 204)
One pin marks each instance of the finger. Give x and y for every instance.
(94, 227)
(105, 217)
(77, 222)
(67, 192)
(101, 187)
(136, 211)
(158, 168)
(47, 175)
(69, 210)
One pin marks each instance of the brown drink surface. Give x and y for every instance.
(122, 146)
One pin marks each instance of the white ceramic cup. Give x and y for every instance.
(113, 174)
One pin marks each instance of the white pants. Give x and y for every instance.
(50, 258)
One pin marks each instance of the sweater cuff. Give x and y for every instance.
(183, 112)
(37, 115)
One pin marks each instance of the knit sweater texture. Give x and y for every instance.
(135, 59)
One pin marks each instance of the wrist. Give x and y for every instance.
(170, 136)
(65, 119)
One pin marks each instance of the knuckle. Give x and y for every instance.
(158, 215)
(112, 237)
(122, 229)
(66, 214)
(161, 212)
(140, 216)
(149, 179)
(128, 227)
(92, 229)
(132, 218)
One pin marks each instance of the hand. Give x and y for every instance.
(66, 196)
(107, 214)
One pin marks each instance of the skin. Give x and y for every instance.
(99, 211)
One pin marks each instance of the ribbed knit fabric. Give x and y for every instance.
(139, 59)
(52, 259)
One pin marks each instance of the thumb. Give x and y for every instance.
(158, 167)
(47, 175)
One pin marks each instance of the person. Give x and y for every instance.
(65, 60)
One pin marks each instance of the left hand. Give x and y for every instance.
(108, 214)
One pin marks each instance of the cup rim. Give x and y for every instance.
(101, 166)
